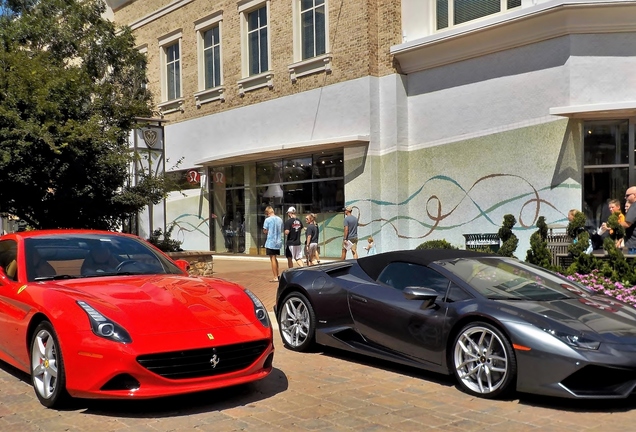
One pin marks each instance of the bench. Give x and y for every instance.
(483, 241)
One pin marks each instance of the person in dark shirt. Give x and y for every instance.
(350, 238)
(293, 248)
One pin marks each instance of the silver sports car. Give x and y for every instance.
(497, 324)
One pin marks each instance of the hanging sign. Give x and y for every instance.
(193, 177)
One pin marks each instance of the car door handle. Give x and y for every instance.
(358, 298)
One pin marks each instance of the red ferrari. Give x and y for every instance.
(93, 314)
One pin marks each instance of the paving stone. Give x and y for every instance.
(323, 391)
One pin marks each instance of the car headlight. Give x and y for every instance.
(259, 309)
(103, 327)
(574, 341)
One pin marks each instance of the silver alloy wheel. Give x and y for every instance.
(480, 360)
(294, 322)
(44, 364)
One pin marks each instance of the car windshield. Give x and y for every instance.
(510, 279)
(68, 256)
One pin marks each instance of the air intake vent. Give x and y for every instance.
(204, 362)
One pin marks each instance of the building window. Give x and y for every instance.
(170, 54)
(209, 34)
(212, 57)
(313, 30)
(450, 13)
(311, 41)
(606, 167)
(173, 71)
(142, 64)
(258, 54)
(255, 49)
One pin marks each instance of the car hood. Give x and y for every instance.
(154, 304)
(599, 317)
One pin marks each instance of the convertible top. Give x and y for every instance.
(374, 264)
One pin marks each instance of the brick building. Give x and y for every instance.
(432, 119)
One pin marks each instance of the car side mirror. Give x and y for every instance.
(183, 264)
(428, 295)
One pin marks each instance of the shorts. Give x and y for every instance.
(310, 251)
(269, 251)
(354, 246)
(294, 252)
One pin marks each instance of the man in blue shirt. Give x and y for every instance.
(273, 227)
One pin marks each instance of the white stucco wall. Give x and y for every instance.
(505, 89)
(333, 112)
(601, 68)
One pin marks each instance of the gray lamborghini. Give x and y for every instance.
(497, 324)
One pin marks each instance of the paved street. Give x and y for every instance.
(321, 391)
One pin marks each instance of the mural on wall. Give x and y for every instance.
(526, 207)
(188, 211)
(469, 186)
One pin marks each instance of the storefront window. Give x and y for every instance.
(606, 167)
(311, 183)
(328, 165)
(183, 180)
(235, 176)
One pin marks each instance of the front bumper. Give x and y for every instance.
(101, 369)
(553, 368)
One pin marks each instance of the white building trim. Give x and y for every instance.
(517, 28)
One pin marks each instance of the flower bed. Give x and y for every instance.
(601, 284)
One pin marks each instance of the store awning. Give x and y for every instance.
(282, 150)
(597, 111)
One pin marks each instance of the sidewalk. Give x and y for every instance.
(253, 273)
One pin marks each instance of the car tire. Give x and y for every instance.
(483, 361)
(297, 322)
(47, 367)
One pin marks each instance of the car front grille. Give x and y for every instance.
(204, 362)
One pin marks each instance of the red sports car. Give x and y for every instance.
(94, 314)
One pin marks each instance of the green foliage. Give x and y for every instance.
(71, 87)
(539, 254)
(616, 230)
(577, 225)
(616, 266)
(508, 238)
(164, 241)
(436, 244)
(583, 262)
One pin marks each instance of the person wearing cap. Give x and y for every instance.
(273, 227)
(350, 234)
(293, 249)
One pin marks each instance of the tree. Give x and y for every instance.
(71, 87)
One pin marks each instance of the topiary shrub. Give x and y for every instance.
(436, 244)
(508, 239)
(539, 254)
(580, 237)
